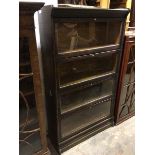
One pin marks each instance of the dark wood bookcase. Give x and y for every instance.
(81, 50)
(125, 101)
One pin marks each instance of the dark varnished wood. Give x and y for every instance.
(68, 66)
(27, 30)
(90, 13)
(125, 86)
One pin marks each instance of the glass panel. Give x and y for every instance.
(24, 54)
(77, 70)
(124, 111)
(132, 107)
(78, 97)
(81, 119)
(130, 74)
(127, 94)
(132, 54)
(26, 85)
(79, 35)
(29, 129)
(129, 106)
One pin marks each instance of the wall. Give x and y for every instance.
(104, 3)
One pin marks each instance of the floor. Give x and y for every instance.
(118, 140)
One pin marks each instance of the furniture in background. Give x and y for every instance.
(118, 4)
(132, 16)
(81, 50)
(81, 2)
(125, 4)
(125, 100)
(32, 127)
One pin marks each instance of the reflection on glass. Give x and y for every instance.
(124, 111)
(127, 100)
(77, 70)
(81, 119)
(79, 35)
(88, 94)
(132, 54)
(130, 74)
(127, 94)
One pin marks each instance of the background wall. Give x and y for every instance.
(104, 3)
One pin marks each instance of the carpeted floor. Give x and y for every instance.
(118, 140)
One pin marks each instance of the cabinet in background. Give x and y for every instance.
(125, 101)
(32, 127)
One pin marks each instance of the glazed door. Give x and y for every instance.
(82, 118)
(72, 35)
(87, 67)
